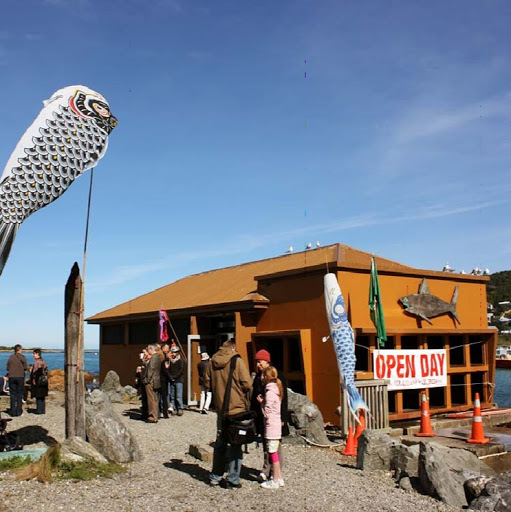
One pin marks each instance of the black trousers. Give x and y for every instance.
(41, 406)
(16, 389)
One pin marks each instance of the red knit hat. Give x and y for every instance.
(263, 355)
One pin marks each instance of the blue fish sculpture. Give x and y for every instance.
(344, 342)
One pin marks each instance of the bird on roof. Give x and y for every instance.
(308, 246)
(318, 245)
(290, 249)
(69, 136)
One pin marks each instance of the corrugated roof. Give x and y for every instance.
(237, 284)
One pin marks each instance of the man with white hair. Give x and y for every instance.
(152, 383)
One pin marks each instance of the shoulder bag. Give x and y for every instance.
(239, 428)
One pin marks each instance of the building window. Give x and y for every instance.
(143, 333)
(286, 355)
(112, 334)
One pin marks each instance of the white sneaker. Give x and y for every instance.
(270, 484)
(262, 477)
(280, 481)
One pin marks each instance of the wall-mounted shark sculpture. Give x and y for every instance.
(426, 306)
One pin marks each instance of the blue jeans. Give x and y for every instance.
(225, 453)
(16, 388)
(176, 396)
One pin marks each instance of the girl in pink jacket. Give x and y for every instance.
(270, 406)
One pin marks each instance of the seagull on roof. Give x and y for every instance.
(290, 249)
(308, 246)
(318, 245)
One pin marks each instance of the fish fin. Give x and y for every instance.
(7, 235)
(426, 318)
(454, 300)
(424, 288)
(355, 401)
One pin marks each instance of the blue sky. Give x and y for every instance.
(397, 142)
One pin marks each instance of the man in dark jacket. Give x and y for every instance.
(217, 375)
(16, 368)
(152, 383)
(263, 360)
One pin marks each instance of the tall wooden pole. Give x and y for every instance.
(74, 381)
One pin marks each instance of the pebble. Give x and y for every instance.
(168, 478)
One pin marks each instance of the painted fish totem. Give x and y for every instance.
(69, 136)
(344, 342)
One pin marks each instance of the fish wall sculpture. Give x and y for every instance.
(69, 136)
(426, 306)
(343, 339)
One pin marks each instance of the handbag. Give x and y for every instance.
(240, 428)
(43, 379)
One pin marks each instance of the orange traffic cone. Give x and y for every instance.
(477, 425)
(426, 427)
(360, 426)
(350, 448)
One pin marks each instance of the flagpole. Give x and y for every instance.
(82, 289)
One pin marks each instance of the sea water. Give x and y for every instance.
(54, 360)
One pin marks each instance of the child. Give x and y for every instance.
(270, 406)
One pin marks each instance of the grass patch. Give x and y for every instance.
(15, 463)
(49, 468)
(87, 470)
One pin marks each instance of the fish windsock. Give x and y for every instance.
(69, 136)
(344, 342)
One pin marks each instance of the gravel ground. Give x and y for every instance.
(170, 479)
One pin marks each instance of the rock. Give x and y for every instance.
(374, 451)
(112, 387)
(496, 495)
(106, 432)
(204, 453)
(306, 418)
(76, 449)
(130, 391)
(405, 461)
(443, 471)
(474, 487)
(406, 484)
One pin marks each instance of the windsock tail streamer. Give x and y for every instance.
(7, 235)
(355, 401)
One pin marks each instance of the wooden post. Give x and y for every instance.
(73, 362)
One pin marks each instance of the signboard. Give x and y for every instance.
(411, 369)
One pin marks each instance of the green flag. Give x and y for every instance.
(375, 305)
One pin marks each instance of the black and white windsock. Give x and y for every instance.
(69, 136)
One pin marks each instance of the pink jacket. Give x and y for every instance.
(271, 412)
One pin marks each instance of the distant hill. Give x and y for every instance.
(499, 289)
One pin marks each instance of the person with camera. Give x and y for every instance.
(216, 380)
(175, 374)
(39, 382)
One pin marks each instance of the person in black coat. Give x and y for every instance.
(39, 381)
(263, 360)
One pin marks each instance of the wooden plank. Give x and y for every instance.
(73, 357)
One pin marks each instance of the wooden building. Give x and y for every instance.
(279, 304)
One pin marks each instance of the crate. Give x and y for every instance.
(375, 394)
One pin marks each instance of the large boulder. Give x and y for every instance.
(374, 451)
(306, 418)
(496, 495)
(112, 387)
(405, 461)
(106, 432)
(443, 472)
(75, 449)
